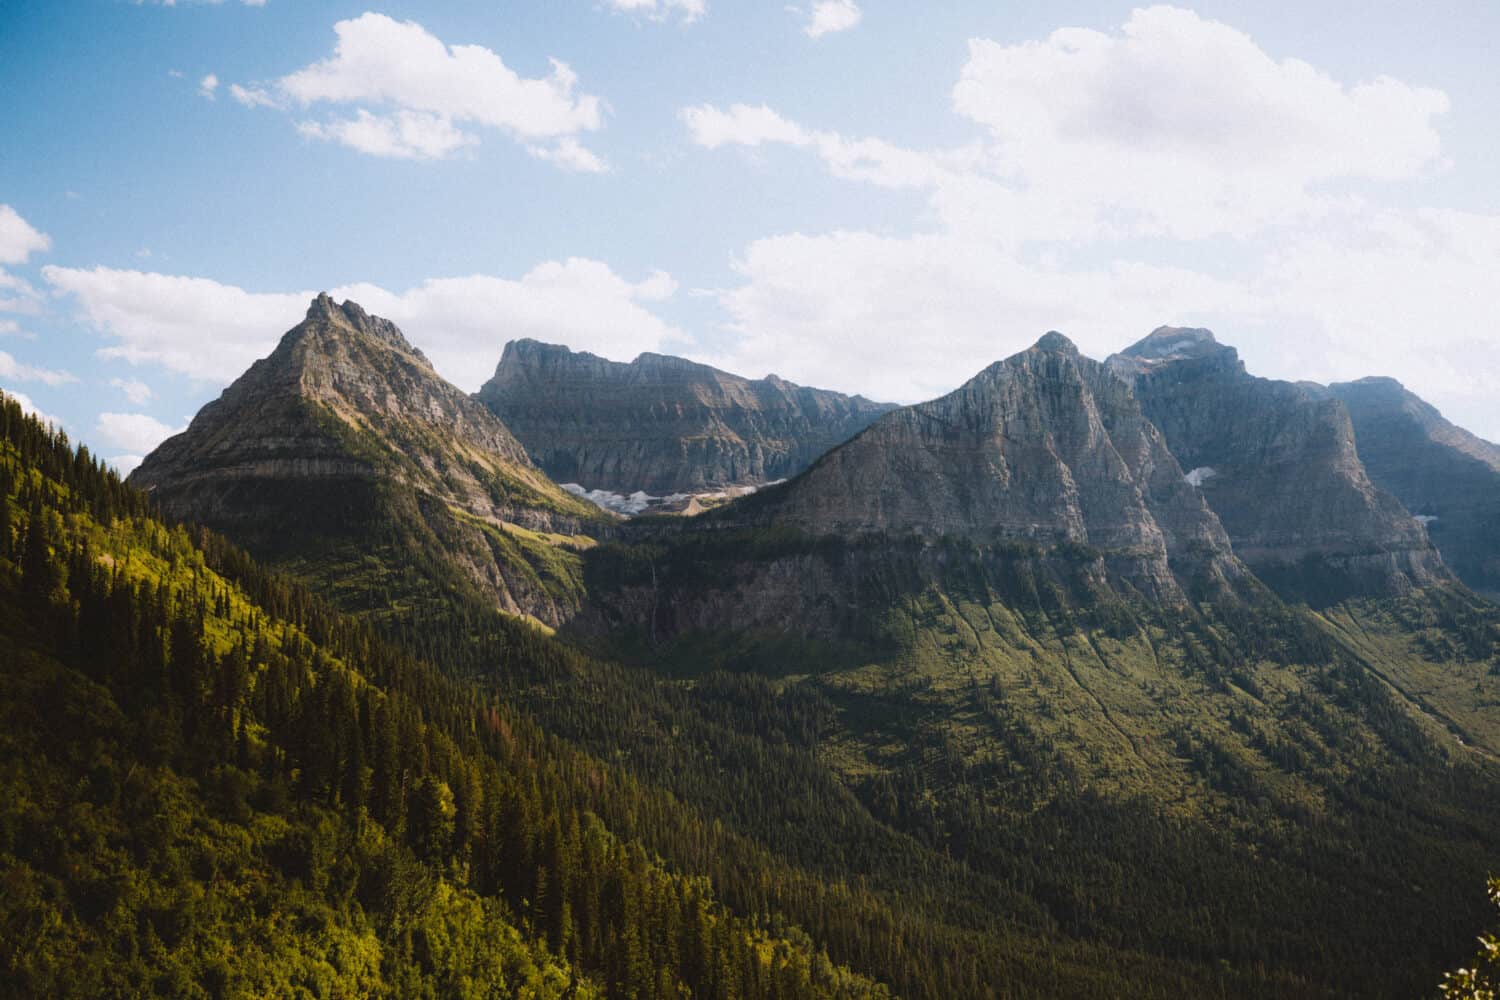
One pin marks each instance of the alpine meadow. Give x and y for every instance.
(664, 499)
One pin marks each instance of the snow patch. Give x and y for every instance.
(641, 502)
(1200, 475)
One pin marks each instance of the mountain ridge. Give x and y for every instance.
(663, 424)
(1279, 464)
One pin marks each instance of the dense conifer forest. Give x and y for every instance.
(215, 784)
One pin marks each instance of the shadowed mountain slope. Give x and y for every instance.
(1446, 476)
(1278, 464)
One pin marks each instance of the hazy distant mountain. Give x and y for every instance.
(1278, 463)
(1446, 476)
(345, 453)
(662, 424)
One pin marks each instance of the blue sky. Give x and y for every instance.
(874, 197)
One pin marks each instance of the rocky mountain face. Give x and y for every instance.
(346, 453)
(1046, 447)
(663, 425)
(1444, 475)
(1039, 482)
(1278, 463)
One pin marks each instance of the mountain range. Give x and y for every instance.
(663, 425)
(1134, 677)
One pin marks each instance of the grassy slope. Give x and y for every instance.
(1230, 783)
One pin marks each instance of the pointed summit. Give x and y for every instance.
(345, 443)
(324, 313)
(1053, 342)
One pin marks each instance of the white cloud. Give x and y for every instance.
(137, 433)
(1177, 127)
(659, 10)
(10, 328)
(415, 97)
(18, 238)
(208, 86)
(460, 323)
(571, 155)
(1102, 160)
(1184, 127)
(138, 392)
(741, 125)
(909, 318)
(10, 368)
(404, 135)
(252, 97)
(168, 320)
(126, 464)
(829, 16)
(30, 407)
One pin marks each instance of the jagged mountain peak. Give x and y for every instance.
(1277, 461)
(345, 438)
(324, 313)
(1044, 447)
(663, 424)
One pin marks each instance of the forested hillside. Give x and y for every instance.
(216, 785)
(212, 785)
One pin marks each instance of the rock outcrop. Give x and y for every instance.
(1047, 448)
(344, 452)
(661, 424)
(1278, 463)
(1448, 478)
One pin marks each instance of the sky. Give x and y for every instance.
(863, 195)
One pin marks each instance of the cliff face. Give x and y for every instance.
(1046, 448)
(345, 441)
(1278, 463)
(662, 424)
(1444, 475)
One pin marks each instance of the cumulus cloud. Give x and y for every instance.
(909, 318)
(402, 135)
(659, 10)
(414, 97)
(829, 16)
(1175, 127)
(1100, 164)
(208, 86)
(138, 392)
(460, 323)
(10, 368)
(137, 433)
(1185, 127)
(18, 238)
